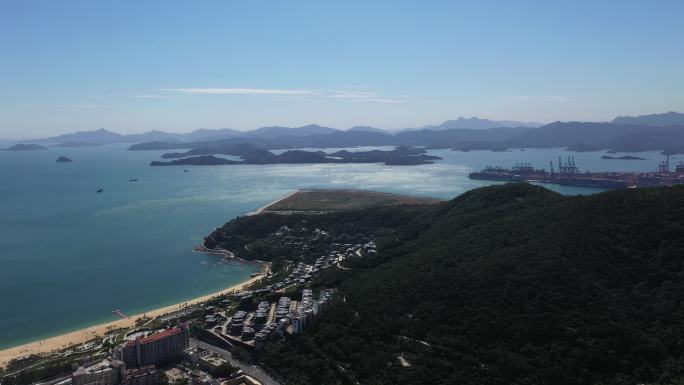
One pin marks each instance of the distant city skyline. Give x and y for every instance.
(175, 66)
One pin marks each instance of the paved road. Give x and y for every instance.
(51, 382)
(251, 370)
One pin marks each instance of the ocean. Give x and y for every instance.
(70, 255)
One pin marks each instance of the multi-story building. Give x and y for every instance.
(146, 375)
(192, 354)
(211, 361)
(106, 372)
(156, 348)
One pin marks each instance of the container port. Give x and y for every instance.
(568, 174)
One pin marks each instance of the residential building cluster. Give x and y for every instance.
(203, 369)
(138, 361)
(253, 329)
(307, 309)
(114, 372)
(105, 372)
(135, 362)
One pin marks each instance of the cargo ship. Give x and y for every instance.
(521, 172)
(568, 174)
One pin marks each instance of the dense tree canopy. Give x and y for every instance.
(510, 284)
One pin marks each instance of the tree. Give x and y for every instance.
(225, 370)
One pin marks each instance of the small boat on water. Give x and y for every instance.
(100, 190)
(133, 180)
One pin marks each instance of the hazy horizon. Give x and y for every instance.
(190, 130)
(4, 139)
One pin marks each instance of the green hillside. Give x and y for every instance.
(510, 284)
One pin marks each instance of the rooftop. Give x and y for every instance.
(157, 336)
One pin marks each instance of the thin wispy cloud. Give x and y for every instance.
(362, 96)
(86, 106)
(541, 99)
(380, 100)
(152, 96)
(238, 91)
(352, 93)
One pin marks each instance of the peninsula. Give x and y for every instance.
(434, 291)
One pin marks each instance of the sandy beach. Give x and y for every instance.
(83, 335)
(264, 208)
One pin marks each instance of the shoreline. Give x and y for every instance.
(80, 336)
(263, 208)
(83, 335)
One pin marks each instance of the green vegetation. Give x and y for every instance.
(49, 370)
(277, 238)
(141, 321)
(42, 368)
(37, 368)
(509, 284)
(341, 200)
(203, 156)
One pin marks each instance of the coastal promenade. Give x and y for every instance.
(80, 336)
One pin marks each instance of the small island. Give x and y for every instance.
(76, 144)
(400, 156)
(204, 160)
(26, 147)
(64, 159)
(626, 157)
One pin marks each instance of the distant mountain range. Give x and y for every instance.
(428, 138)
(103, 136)
(667, 119)
(662, 132)
(480, 124)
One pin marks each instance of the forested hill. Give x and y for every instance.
(510, 284)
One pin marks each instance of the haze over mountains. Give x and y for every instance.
(663, 132)
(103, 136)
(480, 124)
(666, 119)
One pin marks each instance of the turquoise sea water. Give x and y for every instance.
(69, 256)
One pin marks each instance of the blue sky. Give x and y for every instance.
(132, 66)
